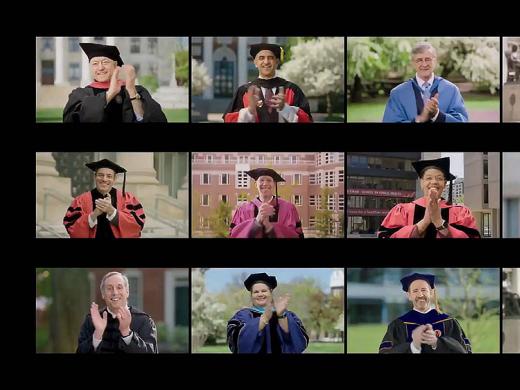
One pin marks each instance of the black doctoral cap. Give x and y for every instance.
(277, 50)
(98, 50)
(256, 173)
(260, 278)
(408, 279)
(442, 164)
(106, 163)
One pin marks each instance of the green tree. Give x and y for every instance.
(150, 82)
(323, 215)
(207, 316)
(43, 299)
(306, 301)
(70, 303)
(182, 67)
(476, 312)
(332, 310)
(220, 219)
(371, 60)
(317, 66)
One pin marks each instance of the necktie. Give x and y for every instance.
(268, 97)
(426, 92)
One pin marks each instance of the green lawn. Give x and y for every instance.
(177, 115)
(314, 347)
(56, 115)
(372, 110)
(49, 115)
(367, 337)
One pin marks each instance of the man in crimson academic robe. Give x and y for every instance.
(266, 216)
(109, 99)
(105, 212)
(268, 98)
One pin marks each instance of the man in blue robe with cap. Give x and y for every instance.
(425, 97)
(424, 329)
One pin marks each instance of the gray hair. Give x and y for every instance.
(102, 285)
(421, 47)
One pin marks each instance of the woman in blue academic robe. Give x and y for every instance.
(267, 326)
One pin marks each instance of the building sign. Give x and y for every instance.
(353, 212)
(373, 192)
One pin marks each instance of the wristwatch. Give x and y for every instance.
(136, 97)
(283, 315)
(443, 226)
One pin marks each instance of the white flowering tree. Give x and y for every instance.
(200, 80)
(370, 59)
(317, 66)
(206, 312)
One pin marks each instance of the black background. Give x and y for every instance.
(245, 19)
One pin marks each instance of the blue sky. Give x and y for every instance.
(217, 278)
(456, 163)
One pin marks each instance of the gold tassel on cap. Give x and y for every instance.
(436, 301)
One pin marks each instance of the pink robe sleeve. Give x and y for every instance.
(290, 226)
(243, 224)
(396, 225)
(462, 224)
(76, 219)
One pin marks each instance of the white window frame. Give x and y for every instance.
(202, 179)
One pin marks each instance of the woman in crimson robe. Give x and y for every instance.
(430, 216)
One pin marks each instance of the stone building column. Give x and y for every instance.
(86, 76)
(53, 193)
(60, 77)
(242, 60)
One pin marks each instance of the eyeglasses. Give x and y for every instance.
(428, 60)
(103, 175)
(104, 63)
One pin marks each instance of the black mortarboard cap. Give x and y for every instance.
(443, 164)
(256, 173)
(258, 47)
(106, 163)
(408, 279)
(98, 50)
(260, 278)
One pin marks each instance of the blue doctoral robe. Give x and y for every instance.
(451, 337)
(406, 102)
(243, 335)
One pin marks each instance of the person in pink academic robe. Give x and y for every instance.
(430, 216)
(266, 216)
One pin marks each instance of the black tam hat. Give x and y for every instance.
(408, 279)
(260, 278)
(277, 50)
(442, 164)
(98, 50)
(256, 173)
(106, 163)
